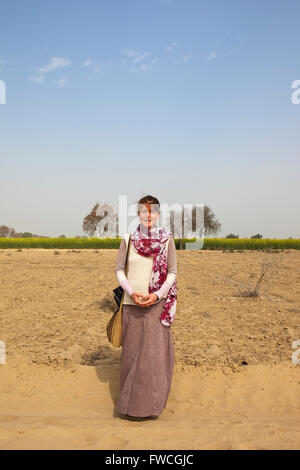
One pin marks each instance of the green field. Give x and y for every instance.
(108, 243)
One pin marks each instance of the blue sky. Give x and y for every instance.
(189, 101)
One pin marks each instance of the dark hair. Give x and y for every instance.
(149, 200)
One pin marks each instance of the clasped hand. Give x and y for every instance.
(144, 300)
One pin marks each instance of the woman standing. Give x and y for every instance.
(149, 305)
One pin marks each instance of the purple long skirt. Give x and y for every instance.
(147, 361)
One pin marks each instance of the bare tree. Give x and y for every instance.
(6, 232)
(211, 225)
(92, 220)
(206, 225)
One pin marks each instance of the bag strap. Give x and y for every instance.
(127, 251)
(167, 248)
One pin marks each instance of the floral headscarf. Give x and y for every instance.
(152, 242)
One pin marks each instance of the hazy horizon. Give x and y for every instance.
(190, 102)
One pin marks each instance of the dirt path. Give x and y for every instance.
(234, 384)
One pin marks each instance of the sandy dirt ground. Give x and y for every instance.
(234, 386)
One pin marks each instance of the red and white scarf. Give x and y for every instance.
(153, 242)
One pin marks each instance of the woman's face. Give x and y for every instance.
(147, 217)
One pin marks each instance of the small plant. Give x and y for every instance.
(265, 267)
(252, 290)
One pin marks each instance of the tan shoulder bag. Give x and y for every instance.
(114, 326)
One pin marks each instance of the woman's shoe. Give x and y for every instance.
(137, 418)
(141, 418)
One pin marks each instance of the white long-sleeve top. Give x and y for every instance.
(171, 269)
